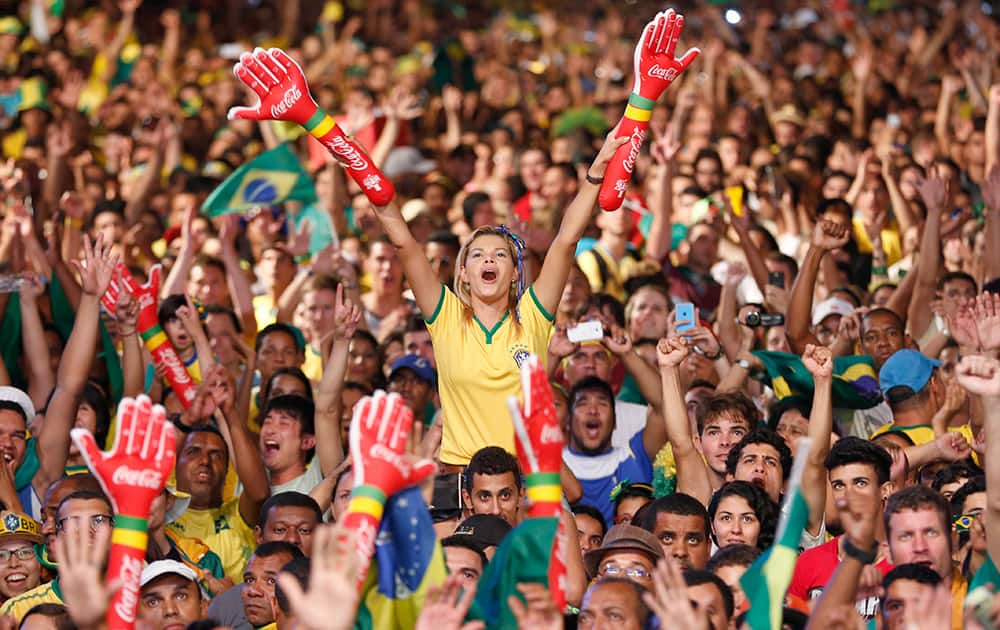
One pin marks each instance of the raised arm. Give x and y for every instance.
(346, 316)
(692, 472)
(559, 259)
(53, 440)
(664, 151)
(981, 375)
(950, 86)
(236, 279)
(133, 365)
(177, 278)
(934, 191)
(993, 128)
(246, 457)
(991, 196)
(826, 236)
(41, 380)
(819, 361)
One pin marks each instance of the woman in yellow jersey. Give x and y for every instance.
(484, 328)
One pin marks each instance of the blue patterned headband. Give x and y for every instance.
(520, 247)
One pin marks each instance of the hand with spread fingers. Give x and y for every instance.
(655, 67)
(133, 473)
(283, 93)
(378, 435)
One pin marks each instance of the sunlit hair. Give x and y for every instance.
(463, 289)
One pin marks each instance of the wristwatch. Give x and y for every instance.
(743, 363)
(862, 556)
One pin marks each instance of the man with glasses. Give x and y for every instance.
(628, 552)
(19, 568)
(84, 508)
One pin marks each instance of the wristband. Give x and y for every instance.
(881, 270)
(862, 556)
(596, 181)
(72, 222)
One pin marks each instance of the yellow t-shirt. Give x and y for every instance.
(224, 531)
(479, 368)
(265, 310)
(313, 365)
(891, 242)
(612, 283)
(959, 589)
(921, 433)
(18, 606)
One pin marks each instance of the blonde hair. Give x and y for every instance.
(463, 289)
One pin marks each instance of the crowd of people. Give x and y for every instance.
(594, 418)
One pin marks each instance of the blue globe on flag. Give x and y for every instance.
(260, 191)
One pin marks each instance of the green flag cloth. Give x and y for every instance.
(523, 556)
(272, 177)
(855, 384)
(766, 581)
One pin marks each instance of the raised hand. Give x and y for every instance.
(934, 190)
(346, 316)
(539, 612)
(378, 435)
(952, 447)
(279, 83)
(655, 68)
(987, 319)
(133, 473)
(617, 341)
(819, 361)
(669, 598)
(127, 314)
(653, 60)
(828, 235)
(283, 94)
(81, 579)
(98, 266)
(979, 375)
(963, 326)
(735, 273)
(333, 573)
(991, 189)
(537, 435)
(445, 607)
(671, 352)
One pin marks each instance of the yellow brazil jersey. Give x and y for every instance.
(313, 365)
(921, 433)
(18, 606)
(891, 241)
(478, 369)
(224, 531)
(264, 310)
(606, 278)
(959, 589)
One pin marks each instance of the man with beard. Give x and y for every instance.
(590, 455)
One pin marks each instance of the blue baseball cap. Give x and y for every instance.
(906, 368)
(419, 365)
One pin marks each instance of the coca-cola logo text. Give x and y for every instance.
(340, 146)
(290, 98)
(128, 574)
(551, 434)
(635, 144)
(126, 476)
(380, 451)
(667, 74)
(172, 364)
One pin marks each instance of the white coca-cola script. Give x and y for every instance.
(635, 144)
(351, 156)
(126, 476)
(667, 74)
(551, 434)
(172, 364)
(129, 573)
(290, 98)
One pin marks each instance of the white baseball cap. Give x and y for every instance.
(160, 568)
(19, 398)
(831, 306)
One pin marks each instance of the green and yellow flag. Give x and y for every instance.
(855, 384)
(272, 177)
(766, 581)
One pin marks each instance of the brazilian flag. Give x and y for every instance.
(273, 177)
(766, 581)
(855, 384)
(408, 560)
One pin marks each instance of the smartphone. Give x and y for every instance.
(776, 279)
(586, 331)
(893, 121)
(685, 313)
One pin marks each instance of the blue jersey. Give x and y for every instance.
(599, 474)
